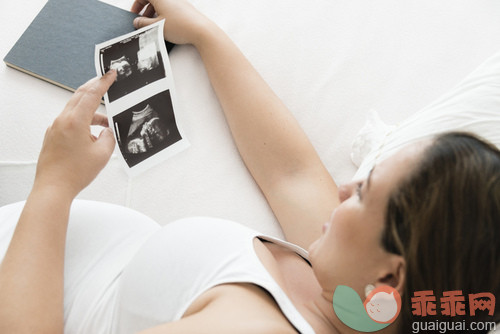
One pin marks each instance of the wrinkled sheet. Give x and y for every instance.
(331, 62)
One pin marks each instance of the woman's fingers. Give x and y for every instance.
(100, 119)
(149, 11)
(88, 97)
(138, 6)
(143, 21)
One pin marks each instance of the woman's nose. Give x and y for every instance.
(346, 191)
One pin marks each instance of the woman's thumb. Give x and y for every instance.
(143, 21)
(106, 143)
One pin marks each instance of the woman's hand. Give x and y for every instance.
(71, 157)
(183, 22)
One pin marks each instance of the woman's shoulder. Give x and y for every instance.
(231, 308)
(242, 308)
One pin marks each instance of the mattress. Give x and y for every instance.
(333, 63)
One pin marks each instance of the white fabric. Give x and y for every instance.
(101, 240)
(181, 262)
(331, 61)
(124, 273)
(472, 106)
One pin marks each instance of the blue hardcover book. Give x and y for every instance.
(59, 44)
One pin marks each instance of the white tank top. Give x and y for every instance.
(124, 272)
(185, 259)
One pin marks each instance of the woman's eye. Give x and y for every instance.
(358, 189)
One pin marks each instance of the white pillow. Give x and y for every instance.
(473, 106)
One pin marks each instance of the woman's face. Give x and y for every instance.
(349, 252)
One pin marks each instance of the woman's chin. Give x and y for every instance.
(312, 248)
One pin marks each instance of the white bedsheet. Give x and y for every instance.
(330, 61)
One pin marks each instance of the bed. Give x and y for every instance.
(335, 64)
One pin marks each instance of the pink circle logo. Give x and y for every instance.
(383, 304)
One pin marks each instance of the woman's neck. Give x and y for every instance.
(297, 279)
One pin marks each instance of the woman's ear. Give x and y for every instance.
(393, 273)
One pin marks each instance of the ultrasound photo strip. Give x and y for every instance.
(146, 128)
(137, 61)
(141, 103)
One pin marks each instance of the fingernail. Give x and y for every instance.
(136, 22)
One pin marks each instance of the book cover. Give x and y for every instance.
(58, 46)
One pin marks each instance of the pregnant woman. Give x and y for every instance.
(425, 218)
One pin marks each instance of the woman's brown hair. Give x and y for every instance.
(444, 219)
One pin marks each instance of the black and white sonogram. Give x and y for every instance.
(137, 61)
(146, 129)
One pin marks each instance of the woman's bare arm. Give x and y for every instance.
(274, 147)
(31, 274)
